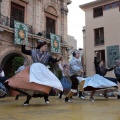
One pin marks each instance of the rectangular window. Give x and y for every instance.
(99, 36)
(17, 13)
(50, 26)
(98, 12)
(100, 55)
(107, 7)
(114, 5)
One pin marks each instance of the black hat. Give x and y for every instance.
(40, 44)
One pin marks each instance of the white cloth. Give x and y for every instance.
(61, 68)
(40, 74)
(98, 81)
(20, 69)
(2, 74)
(80, 79)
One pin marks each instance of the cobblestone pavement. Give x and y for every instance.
(101, 109)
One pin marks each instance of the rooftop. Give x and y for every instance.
(83, 6)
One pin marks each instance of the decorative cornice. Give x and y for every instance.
(51, 9)
(26, 1)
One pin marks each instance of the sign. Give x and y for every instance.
(21, 33)
(112, 54)
(55, 43)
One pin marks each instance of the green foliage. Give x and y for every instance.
(16, 63)
(59, 74)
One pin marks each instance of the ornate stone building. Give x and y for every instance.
(45, 16)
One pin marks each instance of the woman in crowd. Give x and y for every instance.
(76, 69)
(3, 91)
(66, 83)
(117, 74)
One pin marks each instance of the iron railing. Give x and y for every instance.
(10, 23)
(45, 34)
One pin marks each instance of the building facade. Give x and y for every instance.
(101, 33)
(41, 16)
(72, 42)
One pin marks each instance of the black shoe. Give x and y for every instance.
(26, 103)
(67, 100)
(60, 97)
(82, 97)
(118, 97)
(47, 101)
(17, 96)
(105, 95)
(80, 93)
(71, 97)
(92, 99)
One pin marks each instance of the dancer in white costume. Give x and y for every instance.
(98, 82)
(37, 80)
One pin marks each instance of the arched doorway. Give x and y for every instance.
(7, 62)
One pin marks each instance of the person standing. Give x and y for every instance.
(3, 91)
(117, 74)
(65, 81)
(76, 69)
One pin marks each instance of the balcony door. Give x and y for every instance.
(50, 26)
(17, 13)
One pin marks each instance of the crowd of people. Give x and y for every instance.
(36, 80)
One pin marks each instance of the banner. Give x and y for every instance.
(55, 43)
(21, 33)
(112, 55)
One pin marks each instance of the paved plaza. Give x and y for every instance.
(101, 109)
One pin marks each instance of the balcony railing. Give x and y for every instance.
(47, 35)
(99, 41)
(10, 23)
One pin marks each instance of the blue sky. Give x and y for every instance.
(76, 20)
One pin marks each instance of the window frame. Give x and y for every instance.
(96, 12)
(101, 29)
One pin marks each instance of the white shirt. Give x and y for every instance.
(2, 74)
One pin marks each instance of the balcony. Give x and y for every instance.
(99, 41)
(10, 23)
(45, 34)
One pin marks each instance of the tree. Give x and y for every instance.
(16, 63)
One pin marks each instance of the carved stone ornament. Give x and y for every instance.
(26, 1)
(50, 9)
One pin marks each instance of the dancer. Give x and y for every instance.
(37, 80)
(101, 70)
(75, 70)
(66, 83)
(117, 74)
(98, 82)
(25, 64)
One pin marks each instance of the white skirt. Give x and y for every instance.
(98, 83)
(40, 74)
